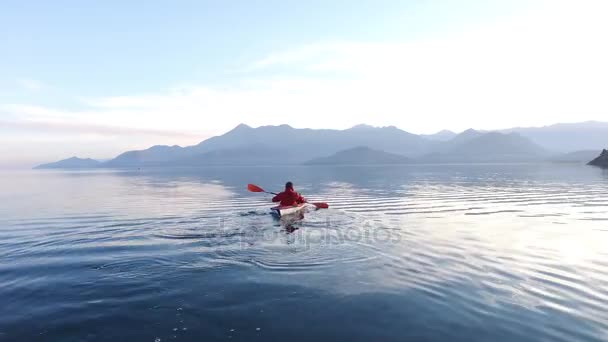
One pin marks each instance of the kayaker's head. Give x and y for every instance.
(288, 186)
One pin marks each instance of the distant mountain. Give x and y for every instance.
(289, 145)
(601, 161)
(155, 155)
(70, 163)
(362, 127)
(465, 136)
(473, 146)
(590, 135)
(284, 144)
(581, 157)
(443, 135)
(457, 140)
(360, 156)
(305, 144)
(248, 155)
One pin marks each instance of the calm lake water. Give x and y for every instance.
(425, 253)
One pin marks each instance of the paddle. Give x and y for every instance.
(255, 188)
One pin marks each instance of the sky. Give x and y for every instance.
(97, 78)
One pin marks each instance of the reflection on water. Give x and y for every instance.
(453, 252)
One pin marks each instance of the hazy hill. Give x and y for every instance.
(473, 146)
(443, 135)
(359, 156)
(590, 135)
(70, 163)
(464, 137)
(581, 157)
(249, 155)
(155, 155)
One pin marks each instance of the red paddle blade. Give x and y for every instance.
(321, 205)
(254, 188)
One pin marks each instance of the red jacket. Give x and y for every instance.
(289, 198)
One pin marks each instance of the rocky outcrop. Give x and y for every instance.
(601, 161)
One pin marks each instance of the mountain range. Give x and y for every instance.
(284, 144)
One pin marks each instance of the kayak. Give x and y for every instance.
(287, 209)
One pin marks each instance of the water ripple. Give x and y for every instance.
(491, 257)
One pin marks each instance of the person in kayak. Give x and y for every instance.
(289, 197)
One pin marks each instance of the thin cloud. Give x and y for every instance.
(297, 55)
(30, 84)
(533, 69)
(78, 128)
